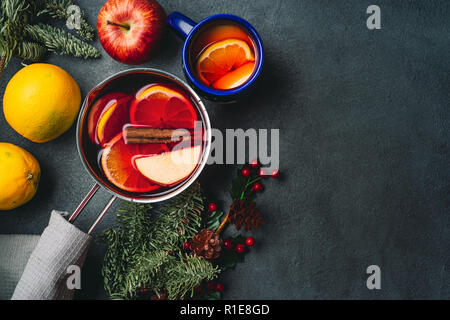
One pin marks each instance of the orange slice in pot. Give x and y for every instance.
(163, 106)
(117, 163)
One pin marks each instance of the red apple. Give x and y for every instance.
(130, 30)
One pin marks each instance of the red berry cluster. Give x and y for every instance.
(257, 186)
(210, 286)
(240, 248)
(253, 174)
(246, 172)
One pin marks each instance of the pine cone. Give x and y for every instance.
(244, 213)
(206, 244)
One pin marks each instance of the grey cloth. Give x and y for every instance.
(15, 250)
(61, 245)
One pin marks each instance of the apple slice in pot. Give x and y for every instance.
(169, 168)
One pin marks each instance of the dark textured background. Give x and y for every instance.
(365, 145)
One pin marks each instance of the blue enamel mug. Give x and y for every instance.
(192, 32)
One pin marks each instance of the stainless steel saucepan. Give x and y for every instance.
(133, 79)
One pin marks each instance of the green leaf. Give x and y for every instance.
(230, 258)
(213, 296)
(237, 239)
(213, 221)
(237, 185)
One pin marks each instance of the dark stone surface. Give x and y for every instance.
(365, 147)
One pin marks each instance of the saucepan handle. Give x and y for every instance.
(85, 201)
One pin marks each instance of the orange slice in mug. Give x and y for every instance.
(235, 78)
(222, 58)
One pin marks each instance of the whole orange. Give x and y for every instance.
(41, 102)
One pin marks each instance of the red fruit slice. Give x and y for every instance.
(163, 106)
(114, 117)
(117, 163)
(97, 109)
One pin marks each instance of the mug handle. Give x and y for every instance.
(180, 23)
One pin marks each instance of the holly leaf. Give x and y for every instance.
(213, 296)
(213, 220)
(230, 258)
(237, 185)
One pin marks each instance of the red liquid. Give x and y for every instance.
(153, 106)
(223, 56)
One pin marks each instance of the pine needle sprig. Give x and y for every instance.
(116, 262)
(178, 219)
(58, 9)
(145, 249)
(128, 240)
(30, 51)
(13, 13)
(16, 18)
(148, 272)
(61, 42)
(185, 276)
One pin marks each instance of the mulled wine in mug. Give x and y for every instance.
(222, 55)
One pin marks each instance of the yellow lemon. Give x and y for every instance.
(41, 102)
(19, 176)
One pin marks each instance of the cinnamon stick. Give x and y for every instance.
(135, 135)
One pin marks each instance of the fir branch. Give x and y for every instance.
(178, 219)
(145, 251)
(148, 272)
(15, 10)
(134, 218)
(13, 14)
(187, 275)
(58, 9)
(61, 42)
(30, 51)
(115, 263)
(125, 242)
(15, 19)
(34, 6)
